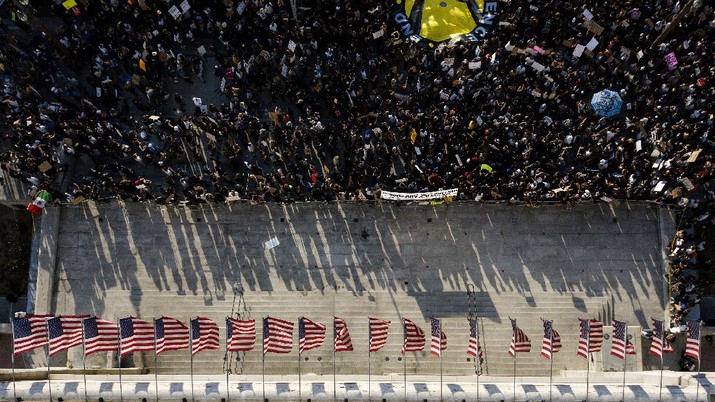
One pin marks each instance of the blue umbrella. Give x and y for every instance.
(606, 103)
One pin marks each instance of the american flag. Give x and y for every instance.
(520, 343)
(552, 340)
(414, 337)
(240, 335)
(204, 335)
(590, 337)
(135, 335)
(311, 335)
(474, 349)
(377, 333)
(29, 333)
(692, 347)
(64, 332)
(170, 334)
(630, 349)
(343, 343)
(277, 335)
(659, 345)
(100, 336)
(439, 339)
(618, 342)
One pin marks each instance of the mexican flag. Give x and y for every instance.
(37, 206)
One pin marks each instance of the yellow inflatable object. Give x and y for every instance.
(443, 19)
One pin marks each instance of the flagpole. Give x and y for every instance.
(551, 365)
(228, 364)
(404, 373)
(588, 356)
(156, 376)
(12, 359)
(84, 365)
(369, 371)
(404, 359)
(49, 381)
(625, 357)
(119, 360)
(440, 360)
(191, 350)
(300, 325)
(513, 339)
(335, 389)
(477, 360)
(263, 359)
(514, 377)
(697, 386)
(662, 350)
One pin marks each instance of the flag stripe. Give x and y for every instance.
(64, 332)
(135, 335)
(520, 343)
(414, 337)
(29, 332)
(659, 344)
(277, 335)
(692, 347)
(377, 333)
(311, 335)
(474, 349)
(100, 336)
(439, 338)
(204, 335)
(552, 340)
(343, 343)
(240, 335)
(171, 334)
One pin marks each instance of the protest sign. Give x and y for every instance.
(378, 34)
(292, 45)
(272, 243)
(69, 4)
(579, 50)
(174, 11)
(594, 27)
(587, 14)
(671, 60)
(431, 195)
(592, 44)
(185, 7)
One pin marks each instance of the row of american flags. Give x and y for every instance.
(132, 334)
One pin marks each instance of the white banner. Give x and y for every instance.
(432, 195)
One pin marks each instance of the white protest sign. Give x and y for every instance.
(473, 65)
(272, 243)
(639, 146)
(378, 34)
(185, 6)
(592, 44)
(241, 8)
(587, 14)
(201, 50)
(579, 50)
(174, 11)
(292, 45)
(537, 66)
(431, 195)
(284, 71)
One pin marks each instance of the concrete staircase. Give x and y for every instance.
(354, 261)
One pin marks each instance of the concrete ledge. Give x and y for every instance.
(345, 388)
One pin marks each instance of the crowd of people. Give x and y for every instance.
(337, 104)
